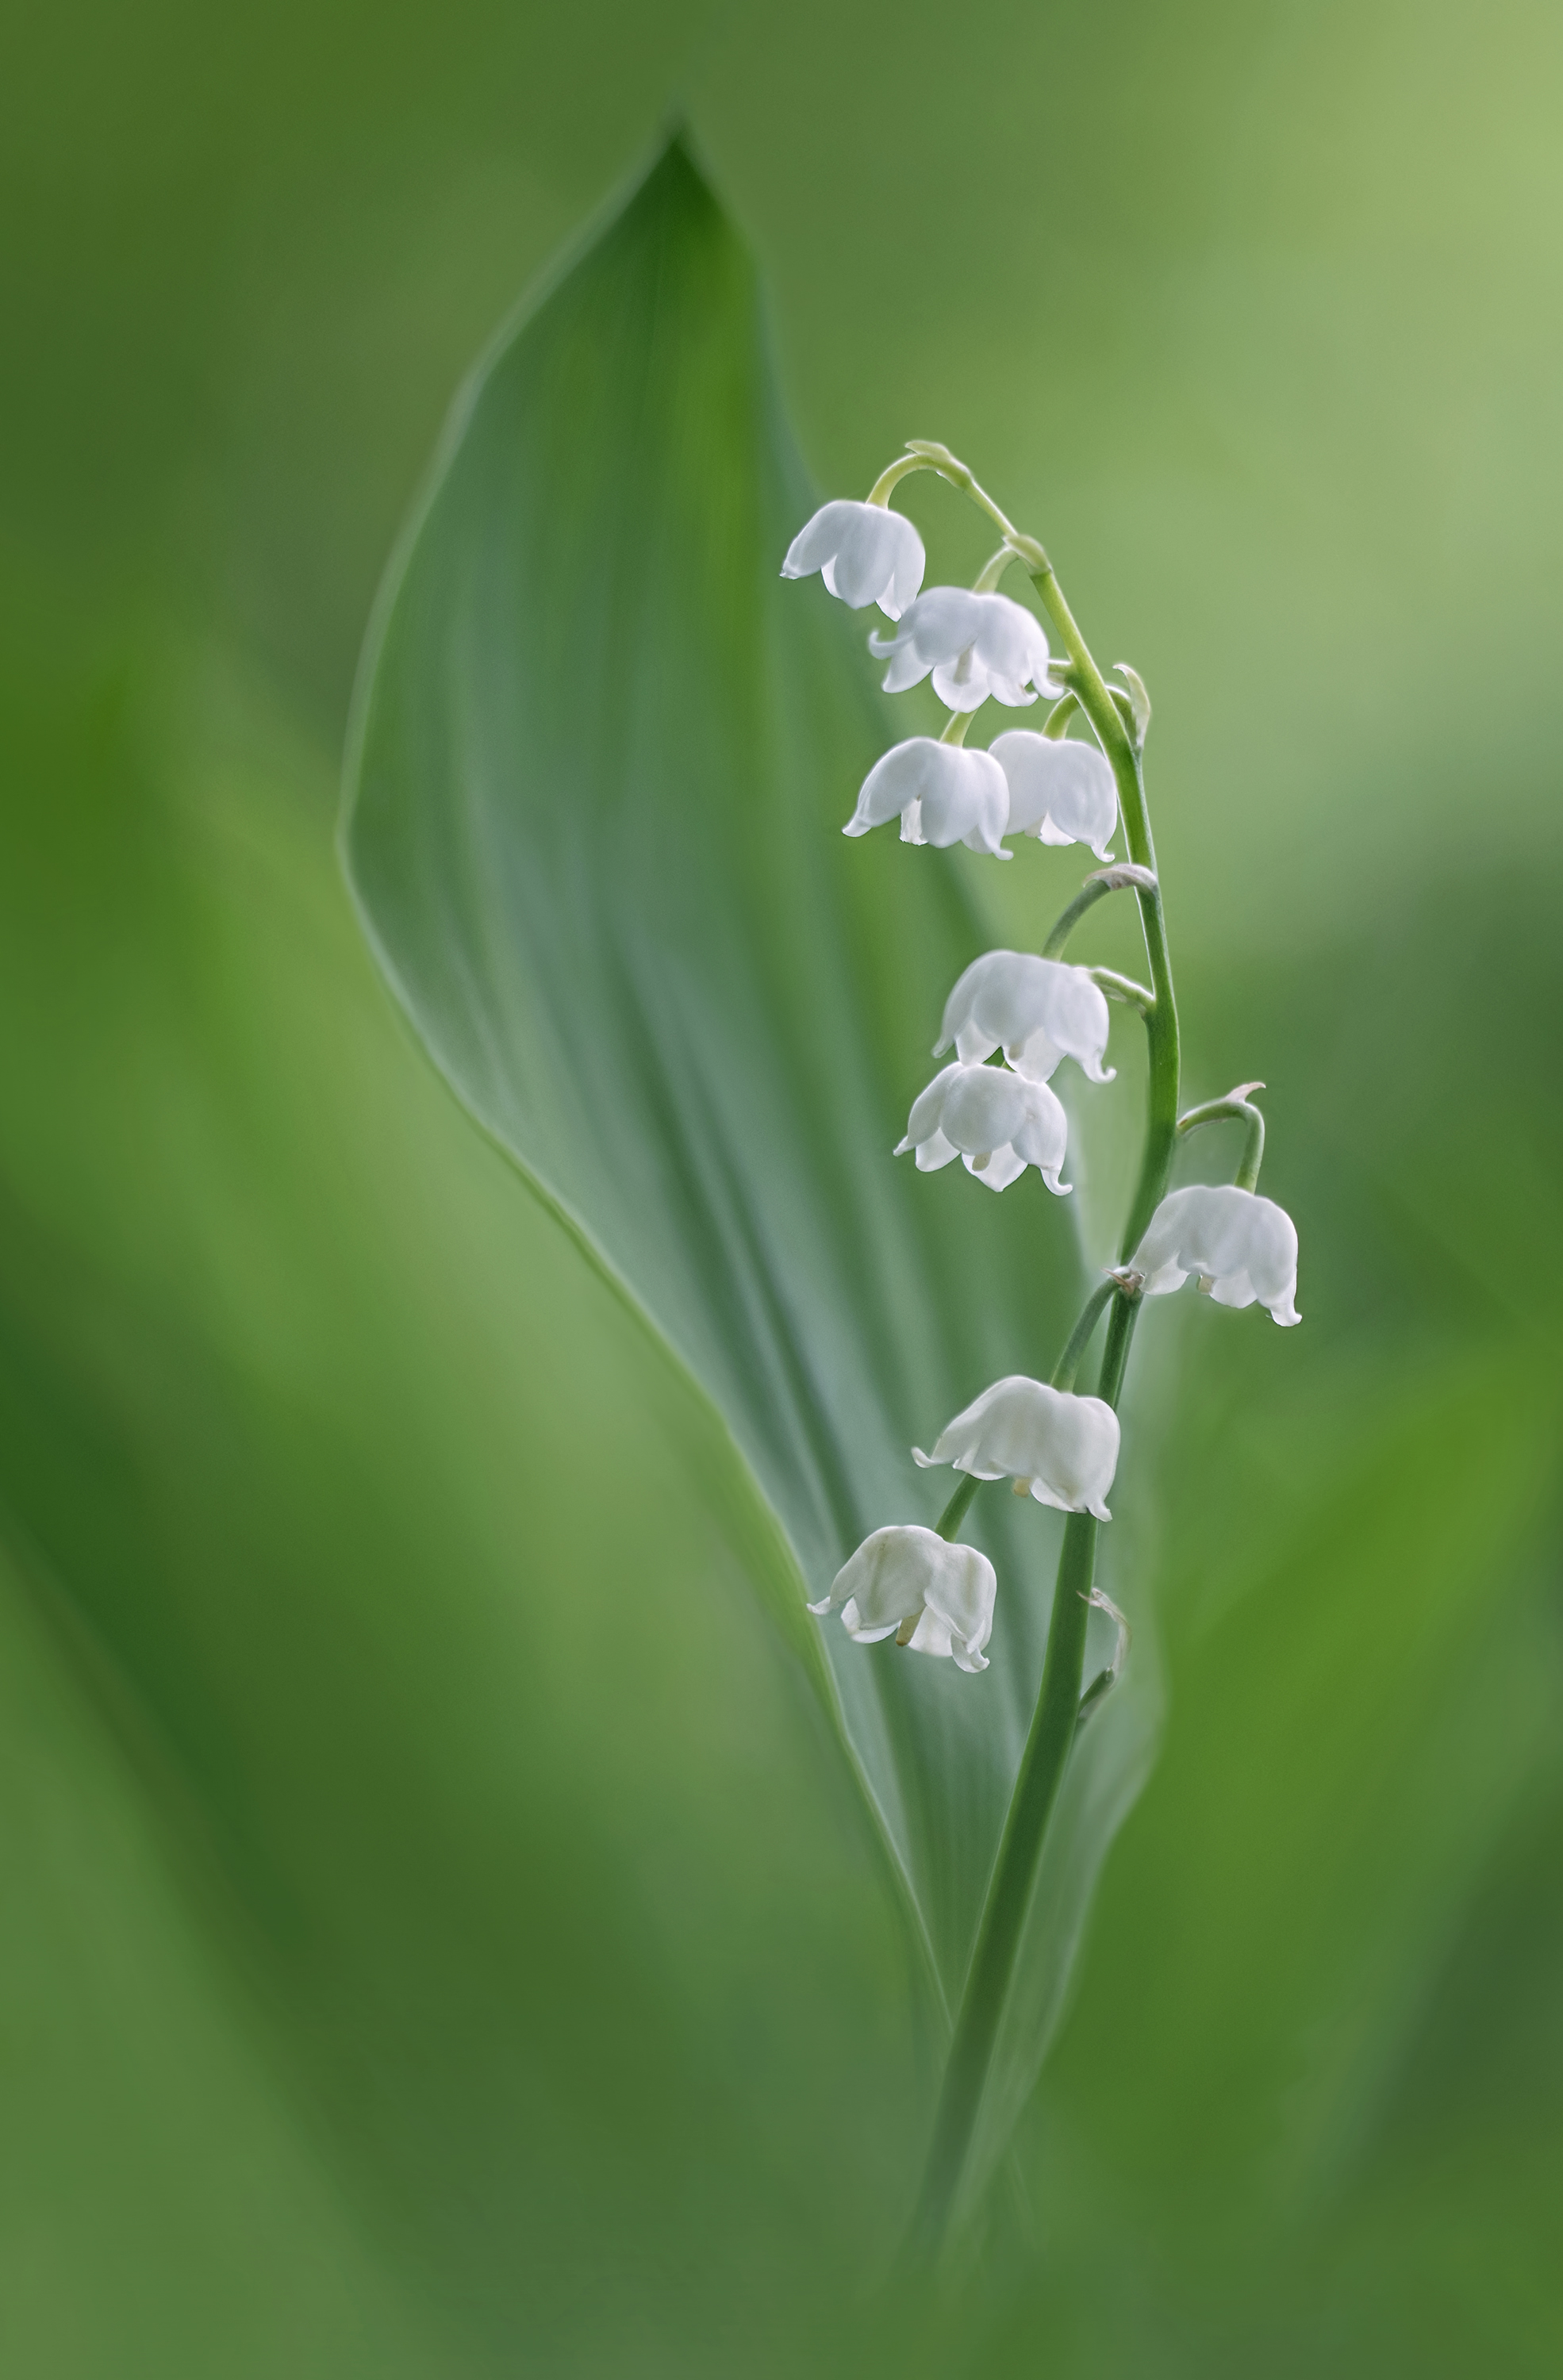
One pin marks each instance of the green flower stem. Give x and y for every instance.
(948, 1521)
(1056, 727)
(1036, 1788)
(1091, 891)
(903, 465)
(1119, 876)
(1238, 1104)
(1161, 1122)
(1124, 988)
(1058, 1704)
(1080, 1336)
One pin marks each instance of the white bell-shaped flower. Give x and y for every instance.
(1056, 1447)
(941, 794)
(1037, 1011)
(865, 553)
(1242, 1248)
(1059, 791)
(975, 645)
(996, 1121)
(907, 1582)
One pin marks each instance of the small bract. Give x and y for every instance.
(975, 645)
(1059, 1448)
(866, 553)
(1242, 1248)
(1059, 791)
(907, 1582)
(941, 794)
(1037, 1011)
(996, 1121)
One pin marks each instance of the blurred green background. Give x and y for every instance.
(440, 1937)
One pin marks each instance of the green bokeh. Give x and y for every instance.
(438, 1935)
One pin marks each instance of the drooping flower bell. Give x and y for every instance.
(1059, 791)
(1242, 1248)
(1056, 1447)
(907, 1583)
(942, 794)
(975, 645)
(1037, 1011)
(999, 1122)
(864, 553)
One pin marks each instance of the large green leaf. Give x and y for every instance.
(602, 762)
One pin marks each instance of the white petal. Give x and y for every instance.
(863, 1632)
(818, 540)
(928, 1107)
(960, 684)
(873, 549)
(1008, 999)
(908, 1572)
(895, 781)
(904, 672)
(932, 1635)
(1245, 1246)
(864, 553)
(885, 1577)
(1012, 642)
(960, 1605)
(942, 623)
(965, 800)
(997, 1169)
(1007, 690)
(1038, 1059)
(1042, 1138)
(1066, 1446)
(908, 563)
(1059, 791)
(983, 1107)
(987, 1112)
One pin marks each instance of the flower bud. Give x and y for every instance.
(866, 553)
(996, 1121)
(907, 1581)
(1062, 1448)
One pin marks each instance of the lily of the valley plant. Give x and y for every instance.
(1014, 1018)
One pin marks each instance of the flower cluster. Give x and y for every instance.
(1023, 783)
(1013, 1017)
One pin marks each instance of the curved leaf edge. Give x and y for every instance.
(788, 1613)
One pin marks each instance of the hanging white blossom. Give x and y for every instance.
(907, 1582)
(942, 794)
(996, 1121)
(975, 645)
(1037, 1011)
(1242, 1248)
(1056, 1447)
(1059, 791)
(866, 553)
